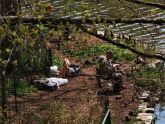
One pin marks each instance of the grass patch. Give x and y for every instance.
(23, 88)
(119, 54)
(147, 72)
(148, 78)
(57, 113)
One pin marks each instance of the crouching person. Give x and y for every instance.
(69, 69)
(110, 71)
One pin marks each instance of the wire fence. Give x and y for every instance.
(15, 107)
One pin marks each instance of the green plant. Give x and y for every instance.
(90, 51)
(56, 61)
(147, 72)
(148, 78)
(22, 87)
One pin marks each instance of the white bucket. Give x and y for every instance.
(53, 69)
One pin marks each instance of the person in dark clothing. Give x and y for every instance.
(109, 71)
(69, 69)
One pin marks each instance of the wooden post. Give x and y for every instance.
(98, 81)
(66, 33)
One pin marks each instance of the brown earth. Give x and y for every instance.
(77, 93)
(74, 95)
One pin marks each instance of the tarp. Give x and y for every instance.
(53, 81)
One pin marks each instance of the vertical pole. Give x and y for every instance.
(48, 61)
(50, 56)
(3, 74)
(106, 108)
(3, 7)
(98, 81)
(66, 33)
(8, 7)
(104, 99)
(4, 107)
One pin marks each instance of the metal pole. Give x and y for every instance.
(107, 118)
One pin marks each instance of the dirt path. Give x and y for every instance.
(73, 94)
(125, 102)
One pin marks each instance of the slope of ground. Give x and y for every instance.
(80, 97)
(81, 93)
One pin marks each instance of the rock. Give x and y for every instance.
(142, 106)
(156, 99)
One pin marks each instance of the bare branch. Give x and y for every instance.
(120, 45)
(44, 20)
(160, 6)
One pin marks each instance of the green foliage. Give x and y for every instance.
(90, 51)
(23, 88)
(147, 72)
(56, 61)
(148, 78)
(3, 120)
(119, 54)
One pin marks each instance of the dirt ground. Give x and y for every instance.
(75, 93)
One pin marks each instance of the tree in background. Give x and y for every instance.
(20, 36)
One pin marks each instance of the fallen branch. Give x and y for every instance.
(119, 44)
(53, 20)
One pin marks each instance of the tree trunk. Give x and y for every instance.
(8, 7)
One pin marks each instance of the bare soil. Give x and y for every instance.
(74, 94)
